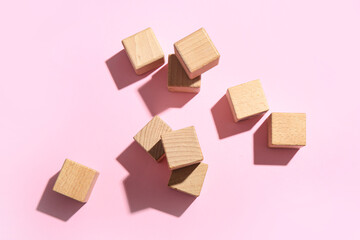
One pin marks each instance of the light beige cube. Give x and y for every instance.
(75, 181)
(247, 100)
(182, 148)
(196, 53)
(287, 130)
(149, 137)
(144, 51)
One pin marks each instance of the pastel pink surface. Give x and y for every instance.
(69, 91)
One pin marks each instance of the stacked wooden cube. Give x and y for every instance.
(194, 55)
(182, 150)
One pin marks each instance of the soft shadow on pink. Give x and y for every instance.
(224, 122)
(146, 186)
(57, 205)
(158, 98)
(263, 155)
(122, 71)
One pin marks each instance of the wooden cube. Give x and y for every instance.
(144, 51)
(196, 53)
(287, 130)
(189, 179)
(75, 181)
(247, 100)
(149, 137)
(178, 80)
(182, 148)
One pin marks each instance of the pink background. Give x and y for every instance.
(68, 91)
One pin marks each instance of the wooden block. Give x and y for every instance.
(75, 181)
(247, 100)
(144, 51)
(287, 130)
(149, 137)
(196, 53)
(182, 148)
(189, 179)
(178, 80)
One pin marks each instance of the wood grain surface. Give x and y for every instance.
(189, 179)
(75, 181)
(144, 51)
(287, 130)
(196, 53)
(182, 147)
(149, 137)
(178, 80)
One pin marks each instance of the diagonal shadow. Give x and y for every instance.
(157, 97)
(56, 204)
(122, 71)
(263, 155)
(147, 183)
(224, 122)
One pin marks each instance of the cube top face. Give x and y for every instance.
(178, 80)
(75, 181)
(247, 99)
(196, 53)
(287, 130)
(144, 51)
(149, 137)
(182, 148)
(189, 179)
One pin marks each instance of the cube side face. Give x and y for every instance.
(287, 130)
(182, 148)
(197, 53)
(189, 179)
(248, 99)
(178, 80)
(75, 181)
(149, 137)
(231, 106)
(144, 51)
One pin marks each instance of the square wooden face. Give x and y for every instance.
(247, 99)
(144, 51)
(182, 148)
(149, 137)
(75, 181)
(196, 53)
(287, 130)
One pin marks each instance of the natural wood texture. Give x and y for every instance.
(246, 100)
(149, 137)
(75, 181)
(182, 148)
(144, 51)
(178, 80)
(287, 130)
(196, 53)
(189, 179)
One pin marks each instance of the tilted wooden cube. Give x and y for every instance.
(182, 148)
(144, 51)
(75, 181)
(196, 53)
(247, 100)
(149, 137)
(189, 179)
(287, 130)
(178, 80)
